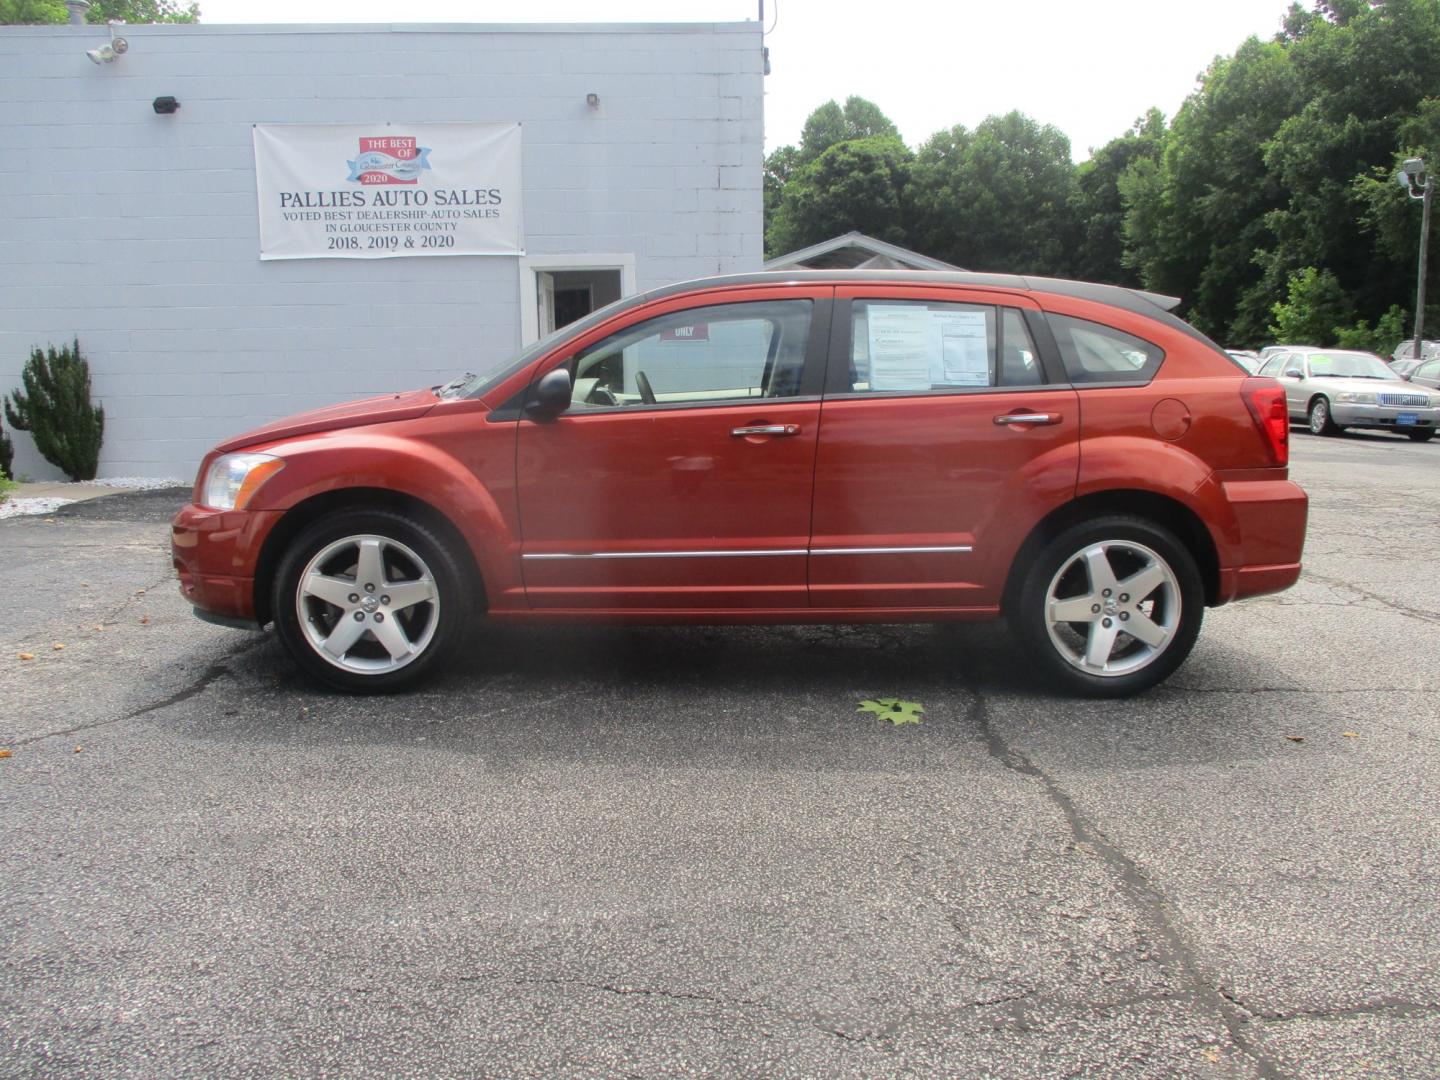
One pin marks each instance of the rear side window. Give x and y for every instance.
(916, 346)
(1095, 353)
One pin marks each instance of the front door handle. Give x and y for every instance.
(1028, 418)
(767, 429)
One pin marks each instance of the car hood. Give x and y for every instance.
(377, 410)
(1370, 386)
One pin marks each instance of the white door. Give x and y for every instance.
(545, 301)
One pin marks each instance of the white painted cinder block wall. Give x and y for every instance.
(138, 233)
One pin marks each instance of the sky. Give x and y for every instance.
(1088, 68)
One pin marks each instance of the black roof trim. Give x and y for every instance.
(1152, 305)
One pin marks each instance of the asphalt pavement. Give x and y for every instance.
(660, 852)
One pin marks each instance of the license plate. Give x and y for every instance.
(1407, 418)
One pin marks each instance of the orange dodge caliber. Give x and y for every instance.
(817, 447)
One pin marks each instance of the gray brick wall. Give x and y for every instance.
(138, 232)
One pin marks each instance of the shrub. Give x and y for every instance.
(55, 408)
(1315, 306)
(7, 455)
(1389, 329)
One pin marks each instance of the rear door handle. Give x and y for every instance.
(1028, 418)
(767, 429)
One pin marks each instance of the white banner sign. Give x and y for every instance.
(379, 191)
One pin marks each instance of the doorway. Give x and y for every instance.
(556, 290)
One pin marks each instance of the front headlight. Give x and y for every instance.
(1350, 398)
(234, 478)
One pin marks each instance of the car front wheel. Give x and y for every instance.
(1321, 422)
(1421, 436)
(370, 600)
(1111, 607)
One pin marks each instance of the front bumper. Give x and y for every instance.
(215, 553)
(1386, 417)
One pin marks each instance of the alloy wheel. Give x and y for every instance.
(367, 604)
(1113, 608)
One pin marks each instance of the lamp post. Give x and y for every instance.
(1415, 178)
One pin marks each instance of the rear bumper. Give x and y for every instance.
(1264, 557)
(215, 553)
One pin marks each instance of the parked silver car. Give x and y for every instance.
(1406, 350)
(1427, 375)
(1332, 389)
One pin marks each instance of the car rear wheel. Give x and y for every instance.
(1111, 607)
(1321, 423)
(370, 600)
(1421, 436)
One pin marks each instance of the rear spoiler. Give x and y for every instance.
(1160, 300)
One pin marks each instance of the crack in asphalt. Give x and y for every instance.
(1174, 688)
(198, 686)
(1403, 609)
(134, 596)
(1391, 1007)
(1146, 899)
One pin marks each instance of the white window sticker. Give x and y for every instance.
(915, 348)
(964, 348)
(899, 348)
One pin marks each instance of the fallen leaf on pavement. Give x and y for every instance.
(57, 646)
(4, 753)
(894, 710)
(27, 656)
(144, 620)
(1295, 738)
(1351, 734)
(79, 749)
(1212, 1054)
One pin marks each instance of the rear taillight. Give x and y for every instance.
(1265, 398)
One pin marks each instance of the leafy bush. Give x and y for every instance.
(1315, 306)
(6, 486)
(7, 455)
(55, 408)
(1389, 329)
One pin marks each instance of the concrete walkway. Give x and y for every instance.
(62, 490)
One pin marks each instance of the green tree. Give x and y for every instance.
(1315, 305)
(56, 409)
(32, 12)
(859, 184)
(831, 124)
(1097, 210)
(995, 198)
(40, 12)
(779, 167)
(1196, 215)
(143, 11)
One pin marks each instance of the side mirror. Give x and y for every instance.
(551, 395)
(1294, 373)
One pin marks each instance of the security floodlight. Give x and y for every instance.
(106, 54)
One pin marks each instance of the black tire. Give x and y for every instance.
(1174, 607)
(1319, 419)
(1421, 436)
(412, 556)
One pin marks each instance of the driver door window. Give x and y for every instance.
(725, 354)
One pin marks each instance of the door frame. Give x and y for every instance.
(531, 266)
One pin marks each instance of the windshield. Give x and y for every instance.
(1348, 365)
(476, 385)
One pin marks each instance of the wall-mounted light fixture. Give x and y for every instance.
(106, 54)
(593, 100)
(165, 106)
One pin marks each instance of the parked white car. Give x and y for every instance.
(1334, 389)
